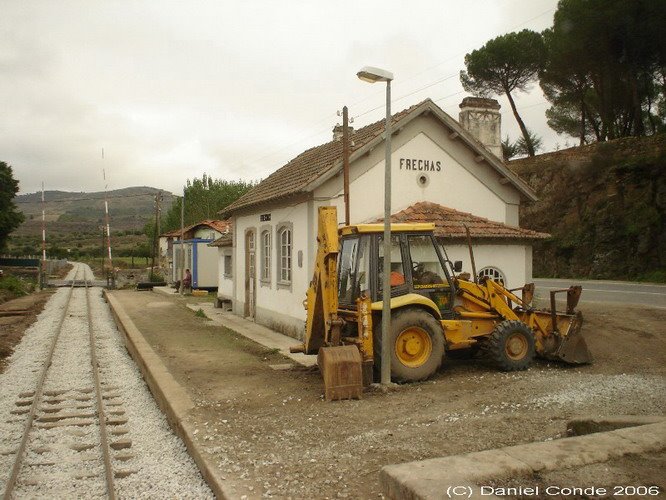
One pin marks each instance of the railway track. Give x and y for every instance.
(74, 436)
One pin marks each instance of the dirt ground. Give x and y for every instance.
(272, 434)
(16, 316)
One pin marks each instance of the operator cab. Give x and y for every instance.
(417, 265)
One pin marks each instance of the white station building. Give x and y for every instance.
(443, 171)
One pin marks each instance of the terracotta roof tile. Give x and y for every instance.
(221, 226)
(450, 223)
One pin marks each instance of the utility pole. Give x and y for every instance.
(42, 280)
(345, 160)
(182, 245)
(155, 239)
(111, 273)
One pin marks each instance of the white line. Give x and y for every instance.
(663, 294)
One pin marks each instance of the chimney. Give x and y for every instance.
(481, 117)
(337, 133)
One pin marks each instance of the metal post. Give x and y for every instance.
(42, 276)
(386, 308)
(345, 161)
(182, 246)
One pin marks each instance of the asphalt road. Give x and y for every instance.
(615, 292)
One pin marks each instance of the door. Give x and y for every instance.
(250, 274)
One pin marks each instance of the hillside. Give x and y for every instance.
(605, 206)
(75, 220)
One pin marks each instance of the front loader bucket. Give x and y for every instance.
(341, 368)
(571, 346)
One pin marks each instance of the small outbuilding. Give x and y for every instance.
(199, 257)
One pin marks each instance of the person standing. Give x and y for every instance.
(187, 281)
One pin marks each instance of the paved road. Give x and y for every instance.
(622, 292)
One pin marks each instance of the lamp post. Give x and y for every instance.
(373, 75)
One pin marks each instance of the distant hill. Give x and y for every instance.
(74, 222)
(129, 209)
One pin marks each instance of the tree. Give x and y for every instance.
(503, 65)
(204, 198)
(519, 148)
(10, 217)
(605, 68)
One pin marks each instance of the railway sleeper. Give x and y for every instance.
(82, 446)
(121, 444)
(64, 416)
(65, 423)
(123, 456)
(119, 474)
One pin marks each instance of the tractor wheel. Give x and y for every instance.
(417, 345)
(510, 346)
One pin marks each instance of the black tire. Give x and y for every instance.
(510, 346)
(426, 338)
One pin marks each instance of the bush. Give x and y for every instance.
(15, 287)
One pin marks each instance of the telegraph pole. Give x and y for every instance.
(345, 161)
(182, 245)
(155, 237)
(112, 274)
(42, 280)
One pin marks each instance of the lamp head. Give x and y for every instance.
(373, 75)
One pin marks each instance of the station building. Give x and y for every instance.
(442, 170)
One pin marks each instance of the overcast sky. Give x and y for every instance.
(172, 89)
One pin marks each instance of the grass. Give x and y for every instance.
(15, 286)
(199, 313)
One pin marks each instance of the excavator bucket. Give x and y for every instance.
(341, 368)
(572, 347)
(564, 341)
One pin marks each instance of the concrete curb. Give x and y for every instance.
(170, 396)
(435, 478)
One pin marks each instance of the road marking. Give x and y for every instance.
(609, 291)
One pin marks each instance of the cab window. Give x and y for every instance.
(353, 269)
(426, 267)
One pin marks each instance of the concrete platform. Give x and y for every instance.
(249, 329)
(464, 475)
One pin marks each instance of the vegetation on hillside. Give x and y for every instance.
(605, 207)
(602, 66)
(204, 198)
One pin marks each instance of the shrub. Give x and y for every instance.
(15, 286)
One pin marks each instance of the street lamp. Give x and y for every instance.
(373, 75)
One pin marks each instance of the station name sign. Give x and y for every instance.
(419, 165)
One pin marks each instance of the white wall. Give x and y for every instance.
(275, 303)
(452, 186)
(206, 276)
(225, 284)
(510, 259)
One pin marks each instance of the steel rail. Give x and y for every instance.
(11, 481)
(106, 454)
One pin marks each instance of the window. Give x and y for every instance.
(354, 269)
(266, 256)
(285, 242)
(228, 270)
(494, 274)
(397, 276)
(426, 268)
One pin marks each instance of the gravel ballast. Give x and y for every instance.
(153, 462)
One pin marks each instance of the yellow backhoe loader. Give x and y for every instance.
(433, 311)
